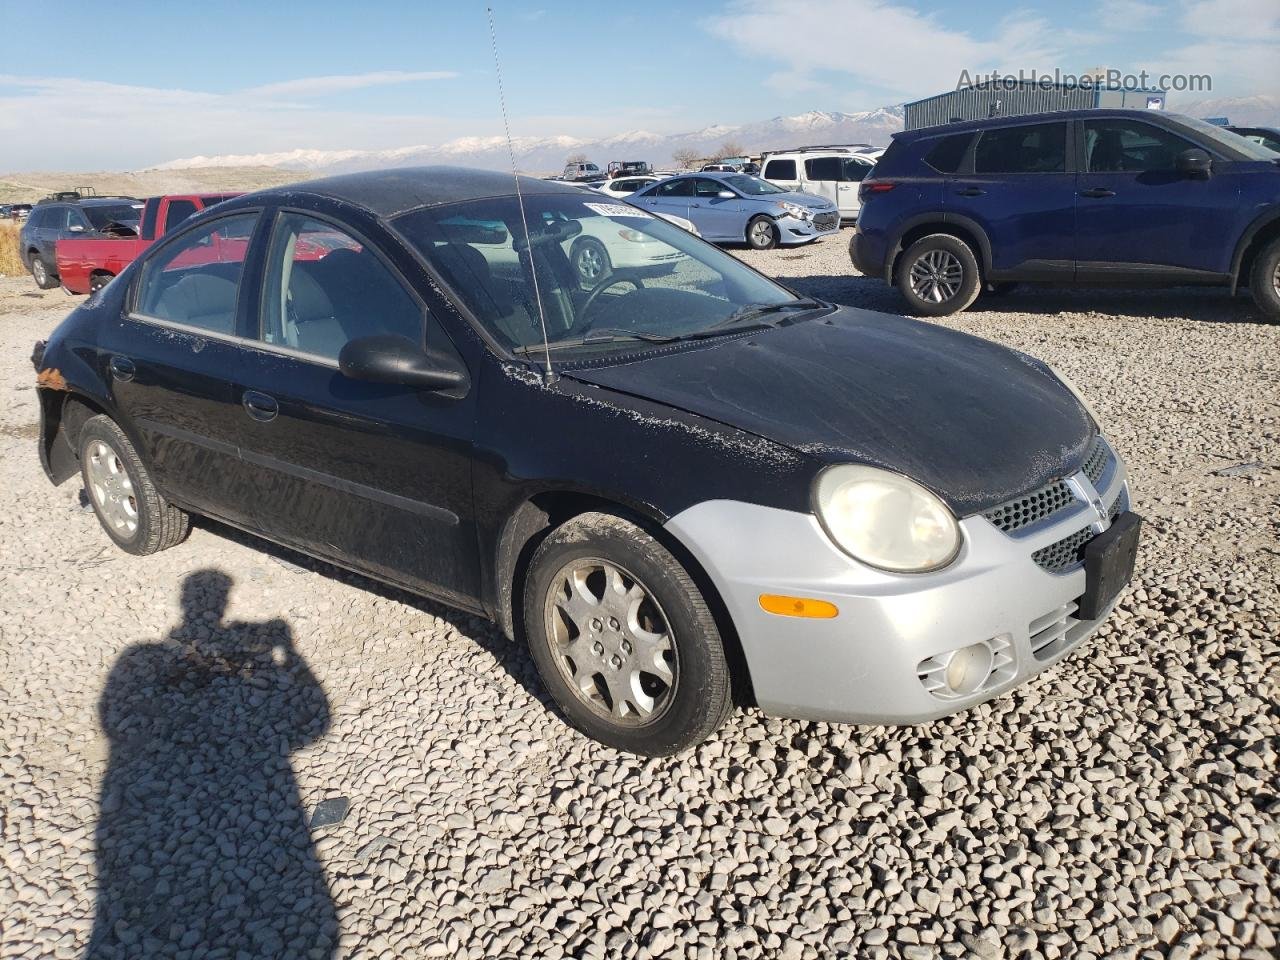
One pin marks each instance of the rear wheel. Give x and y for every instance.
(45, 278)
(938, 275)
(98, 280)
(623, 639)
(1264, 280)
(129, 507)
(762, 234)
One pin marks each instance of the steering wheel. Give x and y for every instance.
(601, 287)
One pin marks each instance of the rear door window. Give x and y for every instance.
(1034, 148)
(675, 188)
(823, 168)
(195, 280)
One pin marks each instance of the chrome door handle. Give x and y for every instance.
(122, 368)
(260, 406)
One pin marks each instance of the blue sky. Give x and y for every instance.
(137, 83)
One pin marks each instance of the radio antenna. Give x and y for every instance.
(549, 375)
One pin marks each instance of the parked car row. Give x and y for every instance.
(82, 243)
(15, 211)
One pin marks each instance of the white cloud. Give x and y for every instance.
(883, 45)
(1130, 15)
(89, 124)
(318, 86)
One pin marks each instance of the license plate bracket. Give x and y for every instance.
(1109, 560)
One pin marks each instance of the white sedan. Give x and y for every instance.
(624, 186)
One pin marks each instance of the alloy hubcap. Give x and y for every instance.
(762, 232)
(1275, 279)
(38, 271)
(111, 489)
(590, 263)
(937, 276)
(611, 641)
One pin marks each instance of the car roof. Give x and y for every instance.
(389, 193)
(1090, 113)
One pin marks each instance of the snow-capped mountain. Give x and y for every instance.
(1260, 111)
(543, 154)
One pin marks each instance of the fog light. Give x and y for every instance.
(968, 668)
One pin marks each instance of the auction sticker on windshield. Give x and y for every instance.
(617, 210)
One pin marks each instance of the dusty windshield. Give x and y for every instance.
(608, 275)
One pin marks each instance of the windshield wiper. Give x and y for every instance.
(602, 335)
(752, 317)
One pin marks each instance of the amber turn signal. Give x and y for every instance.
(797, 606)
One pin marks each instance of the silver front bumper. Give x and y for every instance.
(879, 660)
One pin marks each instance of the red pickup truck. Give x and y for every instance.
(86, 264)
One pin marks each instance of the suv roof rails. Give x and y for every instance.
(81, 193)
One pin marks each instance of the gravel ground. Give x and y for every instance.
(176, 730)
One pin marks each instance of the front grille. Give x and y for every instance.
(1055, 631)
(825, 221)
(1035, 506)
(1119, 505)
(1067, 552)
(1095, 464)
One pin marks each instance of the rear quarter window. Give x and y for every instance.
(780, 170)
(947, 153)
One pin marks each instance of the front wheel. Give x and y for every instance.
(762, 234)
(129, 507)
(591, 261)
(623, 639)
(44, 277)
(938, 276)
(1264, 280)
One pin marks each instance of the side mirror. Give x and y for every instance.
(1194, 163)
(391, 359)
(76, 228)
(726, 194)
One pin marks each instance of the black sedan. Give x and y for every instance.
(671, 477)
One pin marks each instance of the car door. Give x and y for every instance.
(1017, 186)
(1137, 214)
(169, 360)
(670, 196)
(716, 217)
(852, 172)
(822, 178)
(374, 476)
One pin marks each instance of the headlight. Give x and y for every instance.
(794, 209)
(885, 520)
(1075, 392)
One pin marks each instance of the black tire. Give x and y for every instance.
(45, 278)
(1264, 280)
(762, 233)
(952, 280)
(158, 524)
(99, 280)
(697, 701)
(591, 261)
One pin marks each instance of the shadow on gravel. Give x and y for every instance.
(514, 658)
(203, 847)
(1197, 304)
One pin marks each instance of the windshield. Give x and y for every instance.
(751, 186)
(101, 214)
(1232, 141)
(607, 273)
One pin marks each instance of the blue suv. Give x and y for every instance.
(1078, 196)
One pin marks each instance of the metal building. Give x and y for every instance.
(1014, 99)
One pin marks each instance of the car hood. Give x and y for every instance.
(975, 422)
(810, 201)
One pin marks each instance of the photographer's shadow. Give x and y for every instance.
(202, 842)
